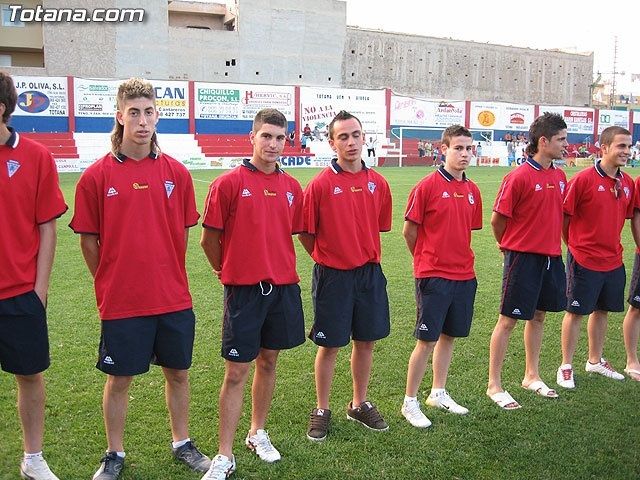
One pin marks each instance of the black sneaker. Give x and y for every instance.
(319, 424)
(110, 468)
(367, 414)
(192, 457)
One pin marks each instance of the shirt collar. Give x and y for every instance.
(603, 174)
(448, 177)
(121, 157)
(338, 169)
(536, 166)
(14, 138)
(247, 163)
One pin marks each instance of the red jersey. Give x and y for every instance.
(139, 210)
(445, 210)
(29, 196)
(636, 202)
(531, 199)
(258, 213)
(598, 206)
(346, 212)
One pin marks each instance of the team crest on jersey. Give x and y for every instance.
(12, 167)
(372, 187)
(290, 198)
(626, 192)
(471, 199)
(562, 185)
(168, 187)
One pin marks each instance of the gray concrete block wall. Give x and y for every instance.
(442, 68)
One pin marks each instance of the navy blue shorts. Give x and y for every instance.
(532, 282)
(444, 306)
(129, 345)
(261, 316)
(24, 338)
(634, 288)
(588, 290)
(349, 304)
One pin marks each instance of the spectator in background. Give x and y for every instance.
(291, 138)
(303, 143)
(371, 147)
(421, 150)
(306, 131)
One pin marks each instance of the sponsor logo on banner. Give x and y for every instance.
(516, 118)
(33, 101)
(486, 118)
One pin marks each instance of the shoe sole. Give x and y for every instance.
(370, 428)
(25, 476)
(604, 375)
(253, 449)
(316, 439)
(437, 405)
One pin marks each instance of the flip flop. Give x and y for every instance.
(505, 401)
(540, 388)
(633, 374)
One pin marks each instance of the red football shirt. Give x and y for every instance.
(346, 212)
(531, 199)
(445, 210)
(140, 210)
(29, 196)
(598, 208)
(636, 202)
(258, 213)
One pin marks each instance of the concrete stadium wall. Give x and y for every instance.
(440, 68)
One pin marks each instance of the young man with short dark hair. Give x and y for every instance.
(30, 203)
(443, 209)
(250, 216)
(346, 206)
(527, 224)
(598, 201)
(133, 211)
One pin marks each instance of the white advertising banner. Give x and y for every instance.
(578, 120)
(225, 101)
(318, 106)
(415, 112)
(501, 116)
(610, 118)
(41, 96)
(172, 99)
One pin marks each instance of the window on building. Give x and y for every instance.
(6, 17)
(5, 60)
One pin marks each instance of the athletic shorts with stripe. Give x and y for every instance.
(24, 339)
(444, 306)
(349, 304)
(532, 282)
(589, 290)
(261, 316)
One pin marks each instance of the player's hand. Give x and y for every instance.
(42, 295)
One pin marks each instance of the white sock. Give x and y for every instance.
(32, 456)
(180, 443)
(436, 391)
(410, 399)
(120, 454)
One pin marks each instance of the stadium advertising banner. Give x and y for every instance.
(415, 112)
(610, 118)
(501, 116)
(97, 98)
(41, 96)
(578, 120)
(318, 106)
(225, 101)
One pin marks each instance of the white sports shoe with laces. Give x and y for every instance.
(36, 469)
(444, 401)
(221, 468)
(411, 411)
(261, 444)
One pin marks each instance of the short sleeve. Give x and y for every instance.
(476, 223)
(86, 215)
(191, 214)
(416, 204)
(507, 196)
(297, 224)
(49, 200)
(311, 207)
(386, 209)
(217, 204)
(572, 196)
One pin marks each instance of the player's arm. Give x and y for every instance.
(410, 234)
(44, 262)
(90, 246)
(307, 241)
(565, 228)
(635, 227)
(212, 246)
(498, 225)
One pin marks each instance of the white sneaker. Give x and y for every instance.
(411, 411)
(444, 401)
(564, 376)
(221, 468)
(36, 469)
(603, 368)
(261, 444)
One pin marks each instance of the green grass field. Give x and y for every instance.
(589, 433)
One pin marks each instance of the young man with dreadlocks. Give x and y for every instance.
(134, 207)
